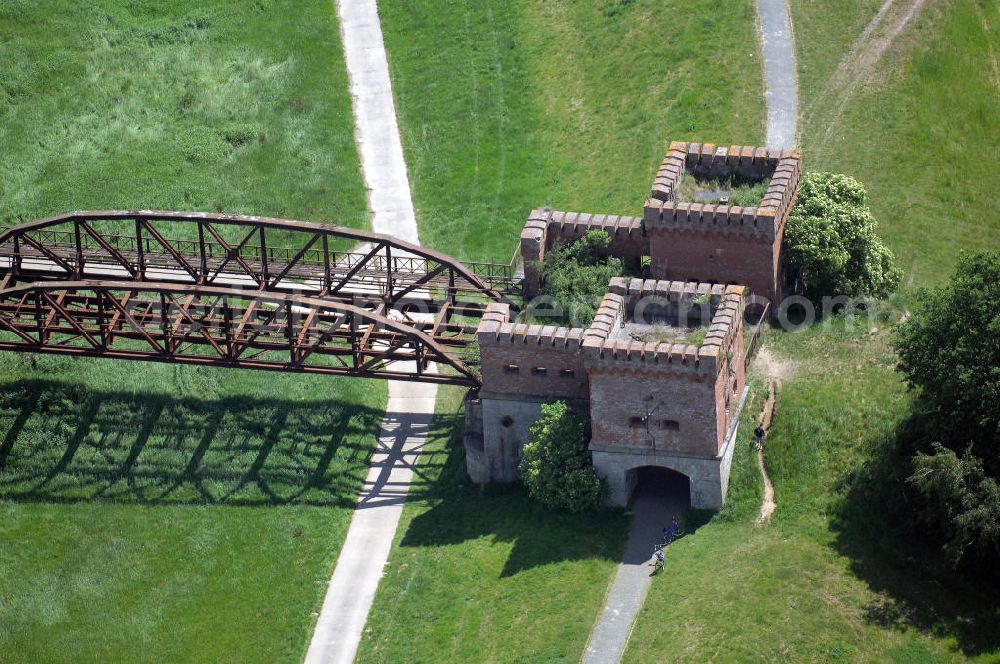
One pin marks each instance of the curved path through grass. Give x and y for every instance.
(411, 405)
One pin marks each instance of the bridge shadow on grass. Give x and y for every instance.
(459, 512)
(60, 443)
(915, 585)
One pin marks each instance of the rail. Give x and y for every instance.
(751, 347)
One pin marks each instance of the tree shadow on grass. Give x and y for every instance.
(915, 584)
(460, 512)
(60, 443)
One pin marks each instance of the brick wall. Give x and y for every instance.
(530, 360)
(545, 228)
(671, 398)
(689, 241)
(721, 243)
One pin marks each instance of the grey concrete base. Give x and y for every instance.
(493, 453)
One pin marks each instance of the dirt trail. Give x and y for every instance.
(893, 17)
(768, 504)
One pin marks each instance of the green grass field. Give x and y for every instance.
(826, 580)
(194, 498)
(916, 130)
(211, 106)
(153, 512)
(162, 513)
(507, 106)
(487, 576)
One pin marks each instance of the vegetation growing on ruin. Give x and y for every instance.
(575, 277)
(156, 512)
(831, 242)
(693, 336)
(735, 190)
(555, 465)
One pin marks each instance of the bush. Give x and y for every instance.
(240, 134)
(576, 276)
(831, 243)
(556, 465)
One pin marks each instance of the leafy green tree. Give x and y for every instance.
(576, 276)
(949, 348)
(556, 464)
(831, 240)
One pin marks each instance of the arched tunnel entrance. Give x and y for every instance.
(662, 485)
(658, 496)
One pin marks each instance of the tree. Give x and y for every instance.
(556, 465)
(961, 505)
(949, 348)
(576, 276)
(830, 240)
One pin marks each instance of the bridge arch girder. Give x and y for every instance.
(228, 250)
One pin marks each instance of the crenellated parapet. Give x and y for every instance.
(548, 228)
(518, 359)
(765, 222)
(721, 305)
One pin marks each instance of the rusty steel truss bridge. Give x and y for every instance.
(247, 292)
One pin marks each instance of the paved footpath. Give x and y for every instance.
(411, 405)
(780, 82)
(652, 511)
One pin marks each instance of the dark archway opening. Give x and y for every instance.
(658, 496)
(664, 485)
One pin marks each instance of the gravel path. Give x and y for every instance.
(362, 559)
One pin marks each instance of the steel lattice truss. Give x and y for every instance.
(230, 290)
(225, 327)
(276, 255)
